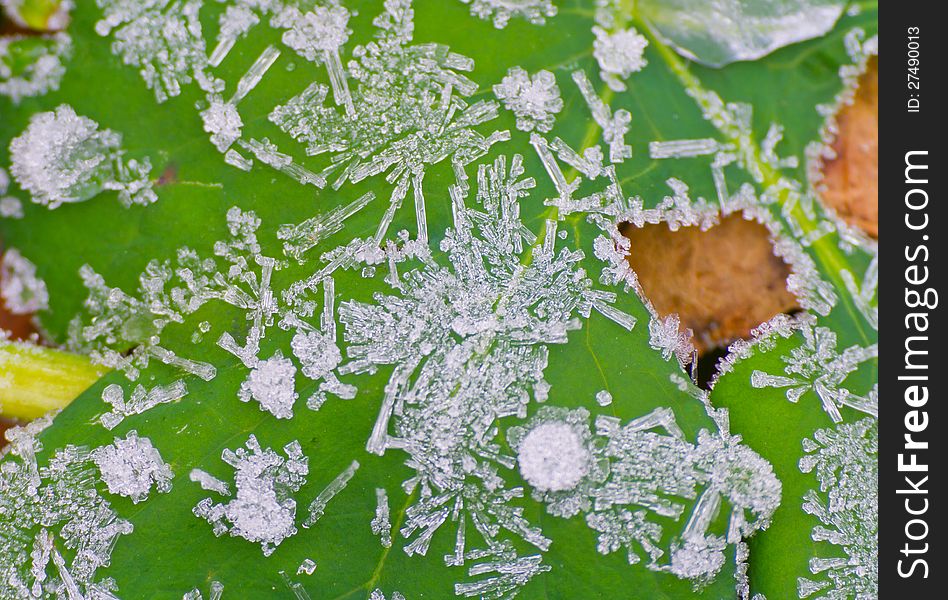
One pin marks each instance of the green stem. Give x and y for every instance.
(35, 380)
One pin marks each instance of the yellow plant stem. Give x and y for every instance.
(35, 380)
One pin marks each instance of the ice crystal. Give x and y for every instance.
(603, 398)
(555, 456)
(404, 111)
(63, 157)
(22, 291)
(817, 366)
(140, 400)
(505, 577)
(614, 125)
(308, 566)
(271, 384)
(619, 54)
(118, 321)
(263, 510)
(162, 38)
(381, 524)
(318, 506)
(11, 207)
(377, 594)
(215, 592)
(534, 99)
(48, 510)
(501, 11)
(32, 66)
(666, 336)
(628, 479)
(131, 466)
(222, 121)
(845, 461)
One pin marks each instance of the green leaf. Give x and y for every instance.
(476, 368)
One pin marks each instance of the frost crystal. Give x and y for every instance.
(318, 506)
(161, 37)
(619, 54)
(32, 66)
(629, 478)
(506, 577)
(381, 524)
(404, 111)
(64, 157)
(271, 384)
(48, 510)
(603, 398)
(263, 509)
(501, 11)
(23, 293)
(308, 566)
(534, 99)
(130, 467)
(666, 336)
(845, 461)
(552, 457)
(140, 400)
(816, 366)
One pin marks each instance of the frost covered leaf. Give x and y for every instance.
(385, 274)
(719, 33)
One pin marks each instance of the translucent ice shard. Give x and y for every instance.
(131, 466)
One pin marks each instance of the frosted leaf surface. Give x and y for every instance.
(534, 99)
(501, 11)
(32, 66)
(64, 157)
(263, 509)
(845, 461)
(162, 38)
(22, 291)
(817, 366)
(48, 510)
(396, 108)
(131, 466)
(719, 33)
(619, 54)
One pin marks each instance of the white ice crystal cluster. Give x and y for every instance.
(817, 366)
(21, 290)
(262, 509)
(10, 206)
(162, 38)
(534, 99)
(845, 461)
(627, 478)
(64, 157)
(619, 54)
(131, 466)
(56, 530)
(501, 11)
(32, 66)
(396, 108)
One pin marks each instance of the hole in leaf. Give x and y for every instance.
(722, 282)
(850, 182)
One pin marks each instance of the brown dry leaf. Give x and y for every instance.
(721, 282)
